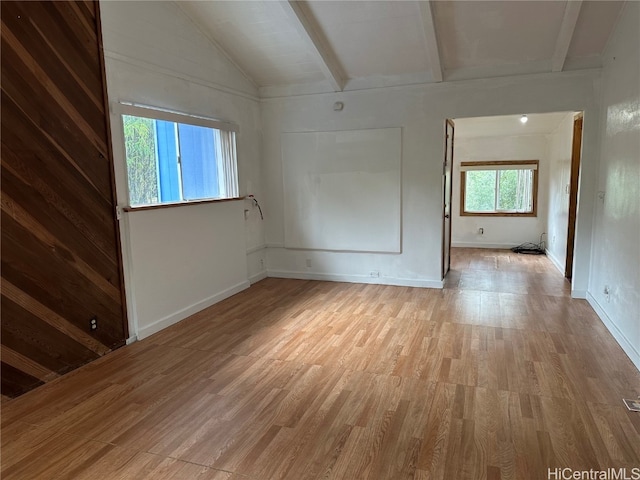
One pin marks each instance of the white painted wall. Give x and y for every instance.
(499, 232)
(560, 144)
(177, 269)
(616, 236)
(420, 111)
(180, 260)
(333, 181)
(154, 55)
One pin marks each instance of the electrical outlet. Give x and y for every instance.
(481, 231)
(262, 263)
(308, 263)
(93, 324)
(607, 293)
(374, 274)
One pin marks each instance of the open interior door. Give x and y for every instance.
(576, 150)
(446, 213)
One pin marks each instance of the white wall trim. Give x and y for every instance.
(172, 73)
(582, 294)
(555, 261)
(190, 310)
(276, 93)
(504, 246)
(626, 345)
(127, 277)
(132, 339)
(256, 249)
(348, 278)
(257, 277)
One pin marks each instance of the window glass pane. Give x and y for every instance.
(525, 189)
(198, 159)
(169, 170)
(169, 161)
(508, 190)
(480, 191)
(499, 187)
(142, 171)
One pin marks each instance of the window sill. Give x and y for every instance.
(498, 214)
(160, 206)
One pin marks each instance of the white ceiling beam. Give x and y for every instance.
(568, 26)
(429, 27)
(309, 30)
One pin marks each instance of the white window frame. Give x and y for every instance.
(227, 166)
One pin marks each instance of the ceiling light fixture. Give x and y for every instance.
(523, 119)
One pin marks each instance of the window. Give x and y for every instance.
(173, 158)
(499, 188)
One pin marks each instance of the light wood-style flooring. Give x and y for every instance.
(498, 376)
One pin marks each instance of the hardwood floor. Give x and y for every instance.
(498, 376)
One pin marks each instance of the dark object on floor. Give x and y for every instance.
(528, 248)
(531, 248)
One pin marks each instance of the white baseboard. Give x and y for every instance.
(257, 277)
(626, 345)
(132, 339)
(555, 261)
(579, 294)
(501, 246)
(334, 277)
(190, 310)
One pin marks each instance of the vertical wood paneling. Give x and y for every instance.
(60, 250)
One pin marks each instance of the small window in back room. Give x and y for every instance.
(174, 158)
(499, 188)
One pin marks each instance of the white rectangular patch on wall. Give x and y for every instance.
(342, 190)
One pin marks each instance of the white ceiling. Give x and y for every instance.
(342, 45)
(508, 125)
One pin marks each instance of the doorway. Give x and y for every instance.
(553, 140)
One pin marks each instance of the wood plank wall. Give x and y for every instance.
(61, 261)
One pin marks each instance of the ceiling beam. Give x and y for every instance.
(309, 30)
(429, 29)
(568, 26)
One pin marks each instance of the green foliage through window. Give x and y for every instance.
(499, 190)
(508, 189)
(481, 191)
(140, 145)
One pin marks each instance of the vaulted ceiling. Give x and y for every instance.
(315, 46)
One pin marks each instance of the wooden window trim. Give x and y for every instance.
(533, 213)
(160, 206)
